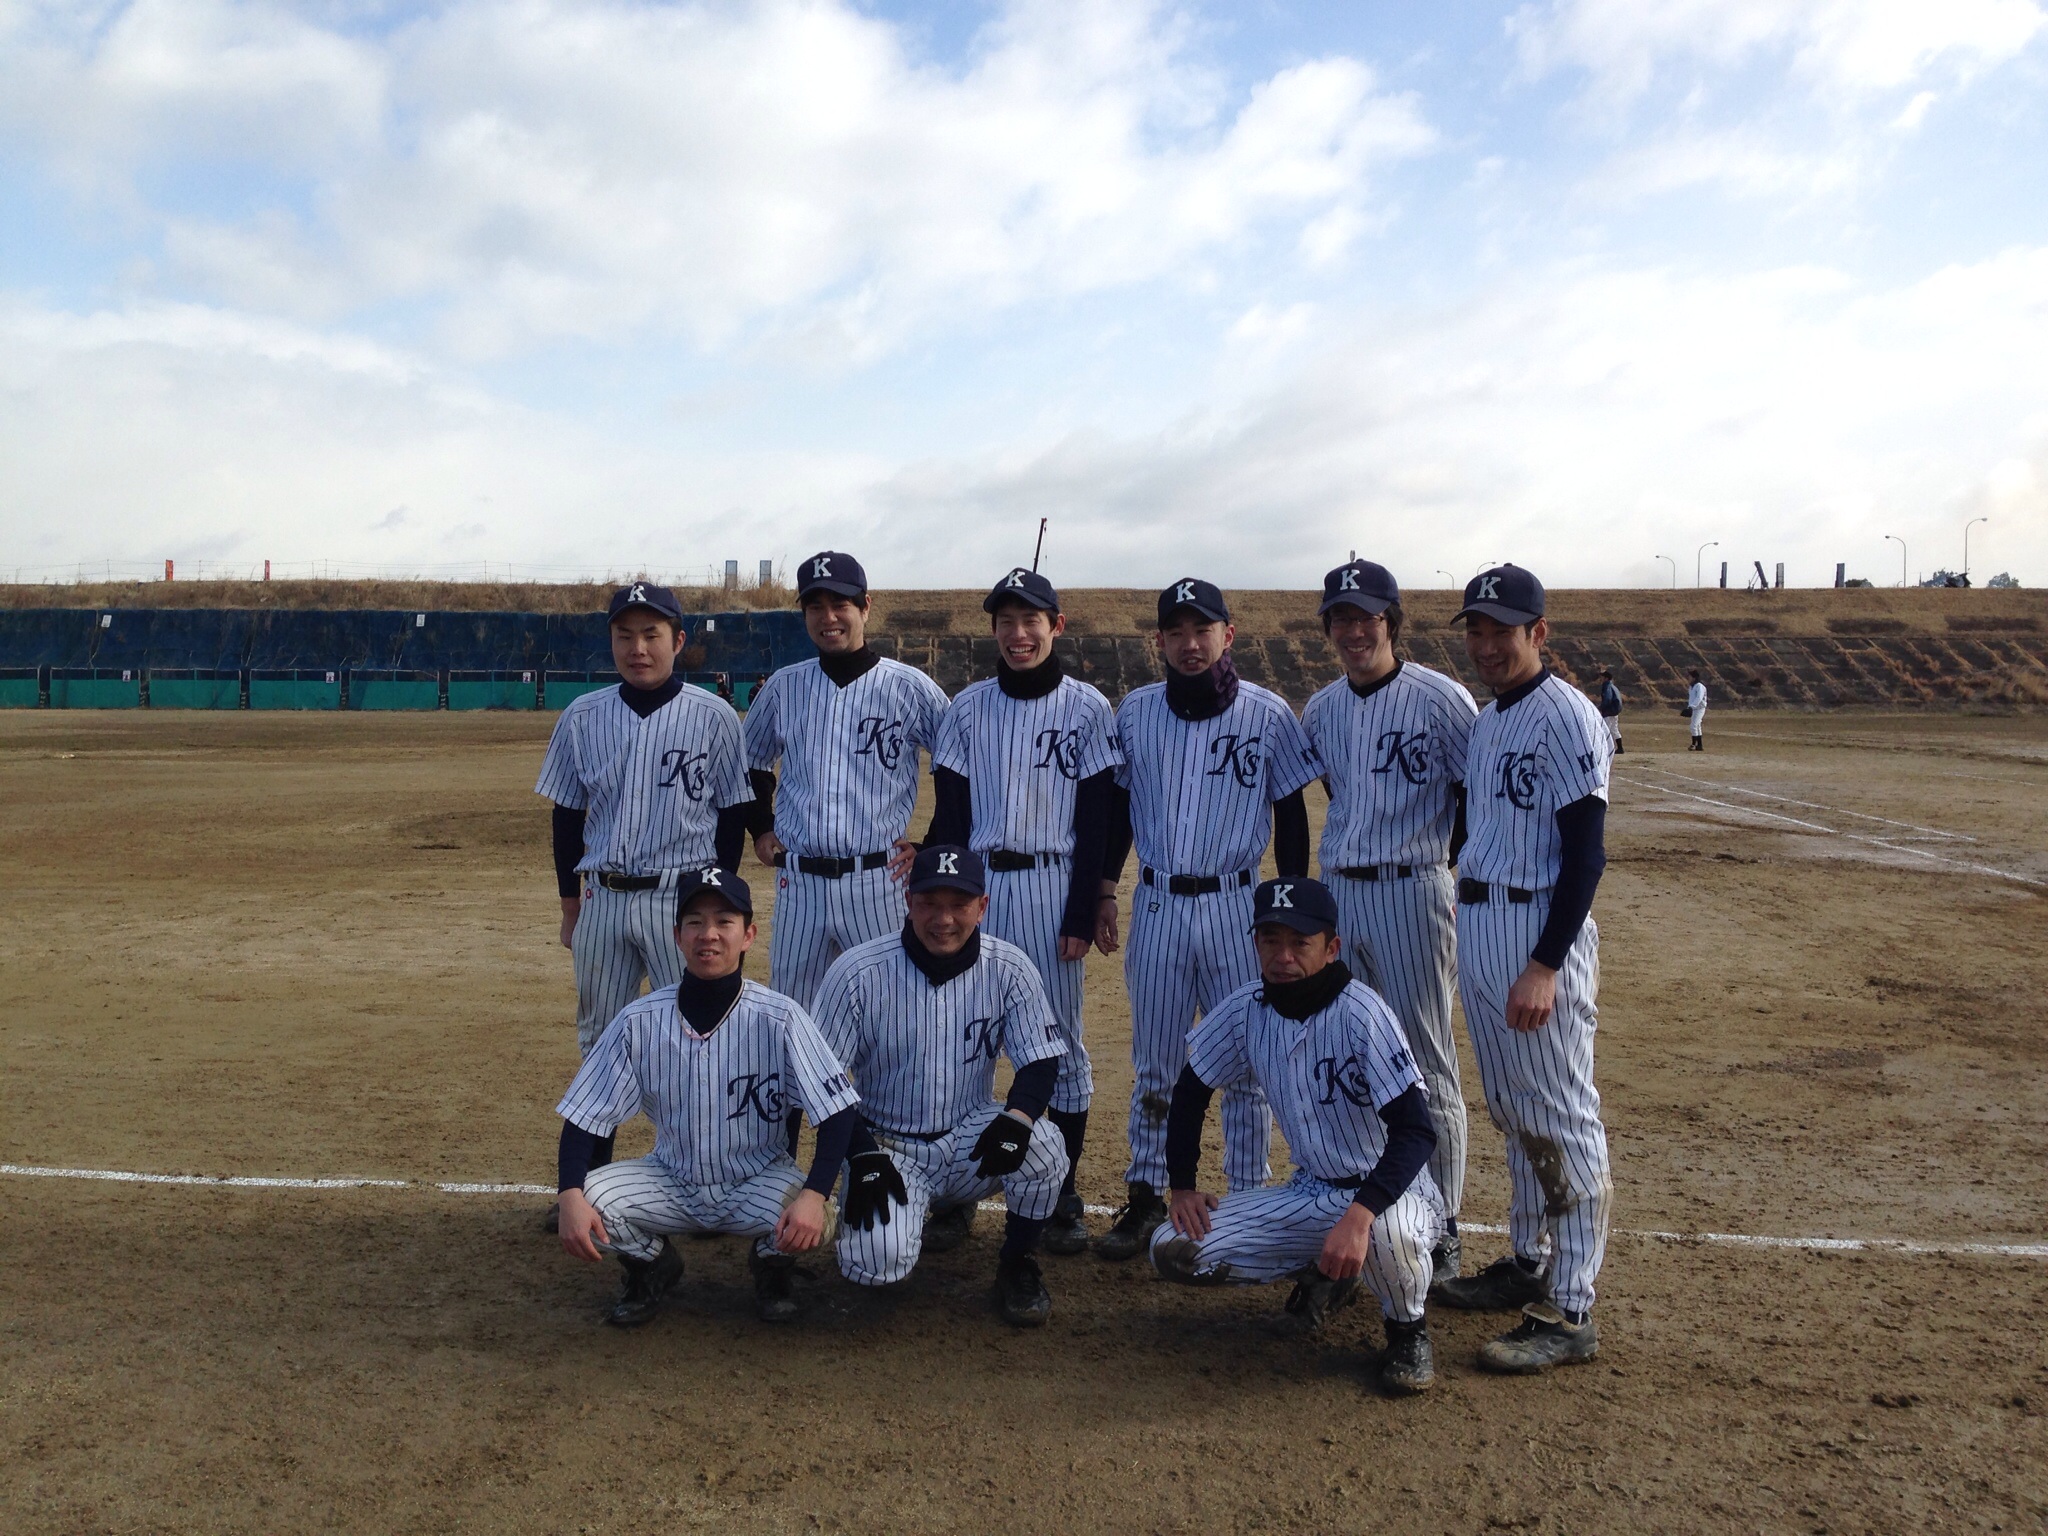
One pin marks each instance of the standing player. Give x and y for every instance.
(648, 779)
(1528, 969)
(919, 1019)
(1391, 736)
(715, 1062)
(1213, 768)
(1696, 712)
(1334, 1066)
(1022, 774)
(846, 728)
(1610, 710)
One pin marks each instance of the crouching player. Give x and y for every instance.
(717, 1063)
(1334, 1064)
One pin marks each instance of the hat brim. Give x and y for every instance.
(1499, 612)
(1206, 614)
(1300, 922)
(1372, 605)
(724, 900)
(831, 584)
(660, 613)
(1002, 595)
(964, 883)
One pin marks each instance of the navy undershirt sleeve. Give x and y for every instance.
(1581, 829)
(567, 836)
(1184, 1117)
(1031, 1089)
(1116, 844)
(1290, 835)
(1458, 828)
(952, 809)
(730, 840)
(572, 1157)
(835, 1135)
(1411, 1137)
(761, 809)
(1091, 837)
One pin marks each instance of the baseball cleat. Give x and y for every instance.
(1408, 1365)
(774, 1286)
(552, 1222)
(1446, 1259)
(1544, 1338)
(1131, 1233)
(1314, 1297)
(1503, 1286)
(647, 1282)
(1067, 1232)
(947, 1229)
(1021, 1295)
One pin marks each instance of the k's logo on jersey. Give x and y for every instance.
(1516, 772)
(1060, 750)
(761, 1094)
(1407, 751)
(1237, 756)
(1346, 1077)
(881, 739)
(687, 770)
(983, 1039)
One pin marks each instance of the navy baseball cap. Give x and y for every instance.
(1506, 593)
(1361, 584)
(1022, 586)
(1296, 902)
(721, 882)
(947, 866)
(831, 570)
(1192, 592)
(645, 594)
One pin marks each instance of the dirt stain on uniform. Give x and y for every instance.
(1177, 1258)
(1548, 1162)
(1153, 1105)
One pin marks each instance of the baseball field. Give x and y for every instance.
(309, 948)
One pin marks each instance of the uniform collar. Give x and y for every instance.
(1377, 683)
(645, 701)
(940, 969)
(1507, 701)
(705, 1005)
(844, 667)
(1304, 999)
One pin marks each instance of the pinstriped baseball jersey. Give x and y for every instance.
(1202, 790)
(1326, 1076)
(924, 1057)
(1025, 758)
(1525, 764)
(849, 755)
(719, 1102)
(651, 789)
(1390, 760)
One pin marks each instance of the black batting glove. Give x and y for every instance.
(1000, 1149)
(872, 1181)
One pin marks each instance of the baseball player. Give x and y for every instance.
(1696, 712)
(1391, 737)
(1610, 710)
(715, 1062)
(919, 1019)
(648, 779)
(1528, 969)
(1213, 769)
(1022, 774)
(1334, 1064)
(846, 729)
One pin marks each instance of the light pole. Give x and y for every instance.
(1674, 568)
(1902, 553)
(1973, 522)
(1710, 544)
(1447, 576)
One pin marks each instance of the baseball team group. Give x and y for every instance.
(1461, 849)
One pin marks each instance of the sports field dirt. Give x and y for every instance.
(300, 946)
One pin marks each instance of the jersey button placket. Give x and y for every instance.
(1187, 825)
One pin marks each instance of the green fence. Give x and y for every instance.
(315, 689)
(394, 690)
(20, 687)
(193, 688)
(560, 688)
(493, 690)
(95, 688)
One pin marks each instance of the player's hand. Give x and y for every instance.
(581, 1228)
(872, 1181)
(902, 854)
(1072, 948)
(802, 1226)
(1532, 997)
(1189, 1212)
(1105, 925)
(572, 908)
(1343, 1254)
(768, 848)
(1002, 1145)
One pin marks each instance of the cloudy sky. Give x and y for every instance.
(1219, 288)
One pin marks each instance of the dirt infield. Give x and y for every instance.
(246, 944)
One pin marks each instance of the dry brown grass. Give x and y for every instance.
(432, 596)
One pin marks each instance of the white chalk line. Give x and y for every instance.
(1891, 1245)
(1809, 805)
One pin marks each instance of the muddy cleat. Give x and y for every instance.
(774, 1286)
(647, 1282)
(1067, 1232)
(1021, 1295)
(1131, 1232)
(1545, 1337)
(1409, 1364)
(1314, 1297)
(1446, 1259)
(1503, 1286)
(945, 1230)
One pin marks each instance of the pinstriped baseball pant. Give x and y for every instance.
(1401, 939)
(942, 1173)
(1262, 1235)
(1186, 954)
(642, 1201)
(1539, 1090)
(622, 938)
(1025, 907)
(818, 919)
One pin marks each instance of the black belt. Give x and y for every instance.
(1357, 1183)
(927, 1137)
(612, 882)
(1377, 871)
(1472, 893)
(1004, 862)
(833, 869)
(1196, 885)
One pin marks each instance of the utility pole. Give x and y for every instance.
(1973, 522)
(1674, 568)
(1697, 580)
(1902, 555)
(1038, 548)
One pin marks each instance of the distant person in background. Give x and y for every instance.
(1610, 710)
(725, 686)
(1696, 712)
